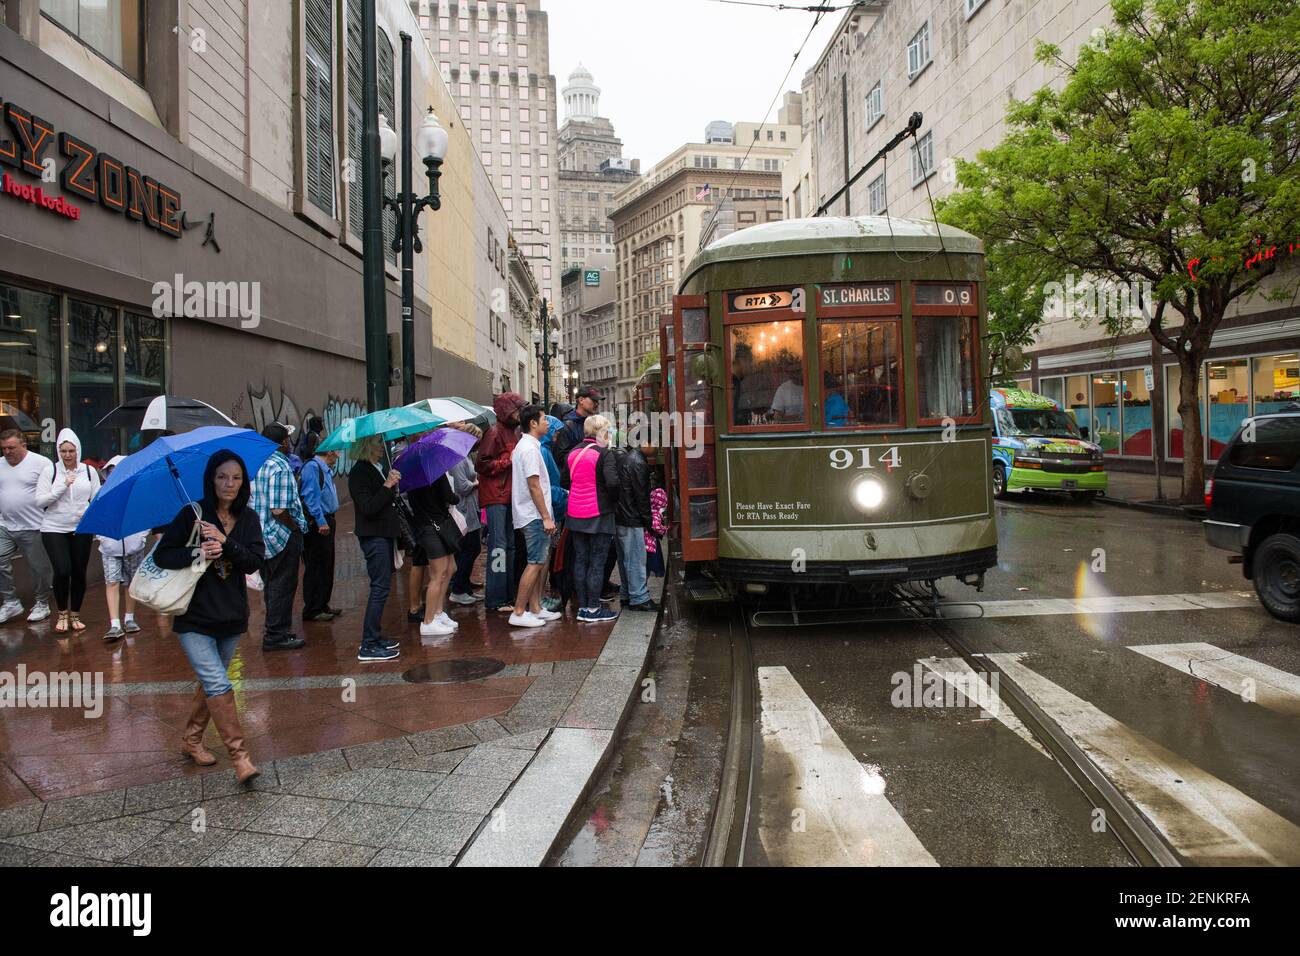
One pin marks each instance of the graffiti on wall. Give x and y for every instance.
(263, 409)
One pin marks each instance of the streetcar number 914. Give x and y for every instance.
(842, 459)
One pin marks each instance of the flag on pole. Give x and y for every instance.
(704, 193)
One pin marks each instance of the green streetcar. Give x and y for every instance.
(835, 366)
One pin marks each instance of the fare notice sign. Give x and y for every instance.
(860, 294)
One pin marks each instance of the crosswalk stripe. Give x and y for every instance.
(819, 806)
(1117, 604)
(1205, 819)
(1269, 687)
(955, 671)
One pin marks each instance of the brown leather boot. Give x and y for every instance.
(225, 717)
(192, 739)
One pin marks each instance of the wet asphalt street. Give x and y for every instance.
(1163, 669)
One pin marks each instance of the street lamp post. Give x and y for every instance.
(431, 141)
(546, 347)
(372, 219)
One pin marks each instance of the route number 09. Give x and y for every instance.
(842, 459)
(952, 297)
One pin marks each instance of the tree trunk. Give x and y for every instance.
(1189, 408)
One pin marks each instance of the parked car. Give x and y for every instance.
(1037, 445)
(1254, 508)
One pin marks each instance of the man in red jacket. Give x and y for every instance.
(494, 468)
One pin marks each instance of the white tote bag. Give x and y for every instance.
(167, 590)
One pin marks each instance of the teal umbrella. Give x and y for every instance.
(458, 410)
(389, 424)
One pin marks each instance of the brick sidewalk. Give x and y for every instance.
(292, 705)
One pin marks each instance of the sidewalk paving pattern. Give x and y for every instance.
(359, 766)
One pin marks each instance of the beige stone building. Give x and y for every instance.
(959, 62)
(699, 191)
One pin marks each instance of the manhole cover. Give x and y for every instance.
(453, 672)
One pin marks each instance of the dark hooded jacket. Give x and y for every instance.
(493, 461)
(633, 509)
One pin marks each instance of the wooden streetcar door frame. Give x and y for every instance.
(693, 549)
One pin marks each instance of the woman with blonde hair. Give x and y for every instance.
(590, 471)
(373, 487)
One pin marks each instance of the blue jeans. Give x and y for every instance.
(210, 657)
(589, 553)
(379, 568)
(500, 557)
(631, 565)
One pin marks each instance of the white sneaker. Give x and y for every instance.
(548, 616)
(39, 613)
(464, 599)
(446, 621)
(436, 629)
(525, 620)
(12, 609)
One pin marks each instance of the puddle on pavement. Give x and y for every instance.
(454, 672)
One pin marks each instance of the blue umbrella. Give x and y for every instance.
(432, 456)
(150, 487)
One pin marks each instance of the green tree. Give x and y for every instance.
(1166, 163)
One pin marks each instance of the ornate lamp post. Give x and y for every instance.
(546, 347)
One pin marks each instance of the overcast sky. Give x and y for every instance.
(667, 68)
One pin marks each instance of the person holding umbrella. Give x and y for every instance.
(229, 534)
(373, 488)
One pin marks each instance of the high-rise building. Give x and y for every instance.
(700, 192)
(495, 59)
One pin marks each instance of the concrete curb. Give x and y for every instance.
(1190, 513)
(524, 829)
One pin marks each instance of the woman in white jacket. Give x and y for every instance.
(65, 495)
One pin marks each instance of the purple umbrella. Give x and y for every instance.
(432, 456)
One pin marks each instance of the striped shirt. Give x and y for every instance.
(276, 489)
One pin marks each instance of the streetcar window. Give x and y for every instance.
(945, 367)
(860, 380)
(767, 374)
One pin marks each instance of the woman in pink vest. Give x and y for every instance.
(590, 472)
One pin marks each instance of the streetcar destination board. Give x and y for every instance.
(758, 301)
(945, 294)
(882, 294)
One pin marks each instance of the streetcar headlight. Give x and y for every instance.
(868, 494)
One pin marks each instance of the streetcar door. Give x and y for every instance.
(668, 402)
(694, 451)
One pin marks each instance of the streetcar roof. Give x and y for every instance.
(830, 234)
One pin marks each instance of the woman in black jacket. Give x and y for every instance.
(374, 491)
(439, 538)
(228, 533)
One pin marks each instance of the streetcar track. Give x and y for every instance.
(729, 826)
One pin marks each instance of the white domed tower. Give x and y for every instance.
(581, 96)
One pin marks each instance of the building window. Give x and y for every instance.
(875, 105)
(923, 159)
(29, 367)
(972, 6)
(113, 30)
(918, 51)
(318, 105)
(876, 202)
(507, 159)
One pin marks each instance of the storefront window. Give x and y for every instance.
(1105, 412)
(29, 362)
(1276, 382)
(945, 367)
(1053, 388)
(1076, 402)
(767, 379)
(1137, 413)
(1228, 392)
(144, 351)
(92, 377)
(112, 28)
(860, 380)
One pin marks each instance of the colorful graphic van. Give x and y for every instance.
(1037, 445)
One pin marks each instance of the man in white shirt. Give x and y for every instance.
(530, 493)
(20, 525)
(787, 403)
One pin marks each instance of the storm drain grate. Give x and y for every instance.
(454, 672)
